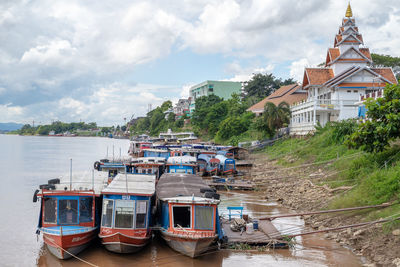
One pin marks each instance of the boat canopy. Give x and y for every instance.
(86, 182)
(182, 160)
(177, 185)
(148, 160)
(132, 184)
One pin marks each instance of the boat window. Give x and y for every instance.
(50, 210)
(141, 211)
(181, 216)
(230, 166)
(204, 218)
(68, 211)
(124, 213)
(149, 171)
(85, 209)
(107, 212)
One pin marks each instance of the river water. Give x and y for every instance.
(29, 161)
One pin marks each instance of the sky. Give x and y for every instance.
(103, 61)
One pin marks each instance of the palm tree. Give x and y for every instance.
(276, 116)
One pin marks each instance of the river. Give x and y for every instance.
(27, 161)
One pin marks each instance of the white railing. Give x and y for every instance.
(322, 104)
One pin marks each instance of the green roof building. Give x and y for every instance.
(223, 89)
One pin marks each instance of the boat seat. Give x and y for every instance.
(238, 211)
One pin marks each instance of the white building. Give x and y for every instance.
(334, 90)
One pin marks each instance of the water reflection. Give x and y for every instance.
(27, 162)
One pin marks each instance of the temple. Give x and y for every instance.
(334, 90)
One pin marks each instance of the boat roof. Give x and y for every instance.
(148, 160)
(81, 181)
(182, 160)
(172, 185)
(138, 184)
(190, 200)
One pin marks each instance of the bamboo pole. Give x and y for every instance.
(324, 211)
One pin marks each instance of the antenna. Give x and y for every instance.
(113, 153)
(126, 181)
(93, 180)
(70, 175)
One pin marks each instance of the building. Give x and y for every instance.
(290, 94)
(182, 108)
(223, 89)
(333, 90)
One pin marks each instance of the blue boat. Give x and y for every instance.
(226, 165)
(164, 153)
(182, 164)
(70, 212)
(126, 218)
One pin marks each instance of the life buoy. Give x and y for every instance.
(97, 165)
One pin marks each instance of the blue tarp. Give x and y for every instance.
(361, 111)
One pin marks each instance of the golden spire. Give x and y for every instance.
(349, 13)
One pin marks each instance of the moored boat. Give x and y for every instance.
(126, 216)
(70, 212)
(182, 164)
(188, 213)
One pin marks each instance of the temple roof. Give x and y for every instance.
(349, 12)
(387, 73)
(286, 94)
(316, 76)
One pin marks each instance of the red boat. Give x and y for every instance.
(70, 213)
(126, 216)
(189, 214)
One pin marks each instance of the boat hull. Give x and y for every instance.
(188, 246)
(62, 246)
(121, 243)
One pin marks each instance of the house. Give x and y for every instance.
(182, 108)
(333, 90)
(223, 89)
(290, 94)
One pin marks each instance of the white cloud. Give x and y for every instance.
(74, 51)
(10, 113)
(297, 69)
(55, 52)
(241, 74)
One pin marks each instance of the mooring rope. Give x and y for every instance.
(76, 257)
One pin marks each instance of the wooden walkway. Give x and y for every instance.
(267, 235)
(237, 185)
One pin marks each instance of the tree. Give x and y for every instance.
(171, 117)
(273, 118)
(202, 107)
(383, 124)
(231, 126)
(387, 61)
(262, 85)
(166, 105)
(276, 116)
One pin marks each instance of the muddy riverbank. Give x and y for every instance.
(298, 189)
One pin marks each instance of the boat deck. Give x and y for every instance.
(236, 185)
(267, 235)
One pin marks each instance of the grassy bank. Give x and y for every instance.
(374, 178)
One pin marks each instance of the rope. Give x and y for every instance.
(76, 257)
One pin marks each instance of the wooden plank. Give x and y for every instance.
(269, 229)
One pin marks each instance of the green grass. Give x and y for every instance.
(374, 181)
